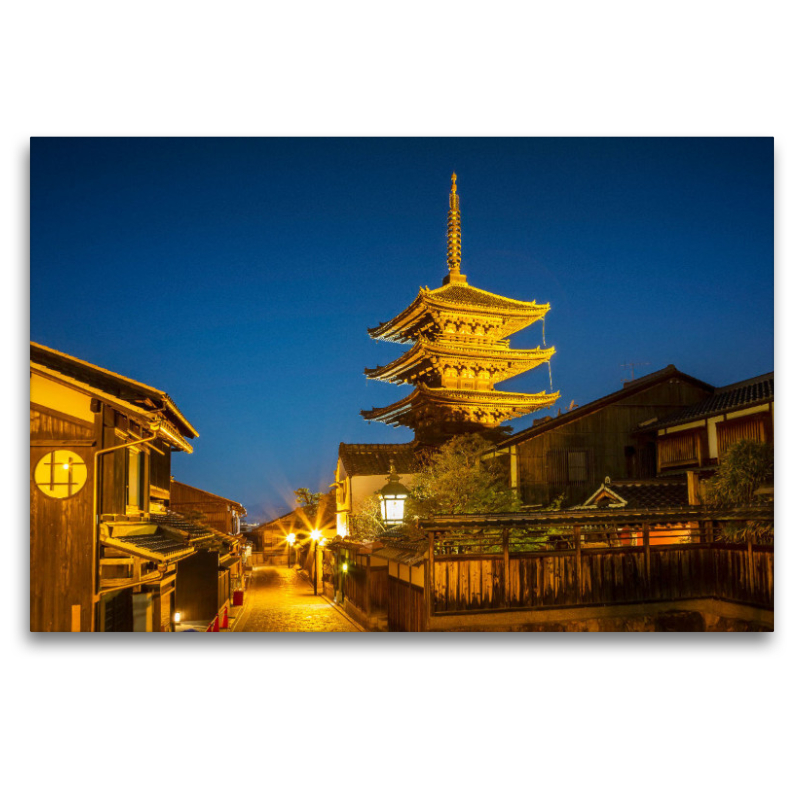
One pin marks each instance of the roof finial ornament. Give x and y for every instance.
(454, 238)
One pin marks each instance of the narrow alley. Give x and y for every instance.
(280, 600)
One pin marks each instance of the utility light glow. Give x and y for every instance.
(344, 567)
(176, 617)
(315, 535)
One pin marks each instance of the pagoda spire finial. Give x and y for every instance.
(454, 238)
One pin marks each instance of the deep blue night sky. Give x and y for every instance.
(240, 275)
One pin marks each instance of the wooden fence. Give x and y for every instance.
(407, 610)
(563, 578)
(477, 564)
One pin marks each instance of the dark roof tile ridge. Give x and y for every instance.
(373, 445)
(748, 382)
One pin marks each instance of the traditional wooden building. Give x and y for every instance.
(572, 453)
(101, 448)
(214, 577)
(277, 541)
(218, 512)
(460, 351)
(696, 437)
(668, 493)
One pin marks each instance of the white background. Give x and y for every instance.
(454, 716)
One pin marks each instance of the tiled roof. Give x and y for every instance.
(469, 295)
(670, 372)
(411, 549)
(183, 486)
(510, 404)
(150, 541)
(656, 493)
(374, 459)
(111, 382)
(726, 398)
(157, 543)
(193, 531)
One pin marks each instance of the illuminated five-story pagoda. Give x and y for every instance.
(460, 351)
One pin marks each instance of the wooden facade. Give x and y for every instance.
(698, 436)
(96, 563)
(574, 452)
(61, 531)
(203, 586)
(363, 587)
(218, 512)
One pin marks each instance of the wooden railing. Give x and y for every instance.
(367, 589)
(562, 578)
(599, 558)
(406, 606)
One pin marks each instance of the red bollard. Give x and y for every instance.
(214, 626)
(224, 625)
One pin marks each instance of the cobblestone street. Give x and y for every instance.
(281, 600)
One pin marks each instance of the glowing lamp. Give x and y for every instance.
(315, 534)
(176, 617)
(393, 498)
(344, 567)
(290, 538)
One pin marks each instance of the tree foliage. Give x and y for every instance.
(456, 480)
(366, 521)
(745, 467)
(307, 499)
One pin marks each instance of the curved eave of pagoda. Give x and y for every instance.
(395, 330)
(402, 328)
(412, 362)
(530, 311)
(512, 404)
(398, 370)
(490, 353)
(497, 399)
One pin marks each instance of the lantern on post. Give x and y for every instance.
(393, 498)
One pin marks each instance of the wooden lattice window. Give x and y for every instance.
(568, 466)
(60, 474)
(755, 427)
(679, 449)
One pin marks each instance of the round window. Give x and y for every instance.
(60, 474)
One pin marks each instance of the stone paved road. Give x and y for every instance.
(280, 600)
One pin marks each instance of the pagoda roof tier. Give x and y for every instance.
(426, 356)
(494, 405)
(462, 301)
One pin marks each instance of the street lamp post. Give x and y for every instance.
(342, 578)
(315, 535)
(289, 548)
